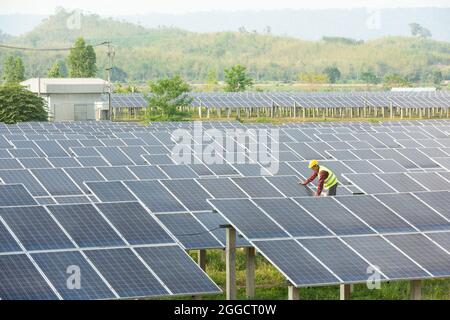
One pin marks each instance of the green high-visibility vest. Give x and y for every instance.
(331, 180)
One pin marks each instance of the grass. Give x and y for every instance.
(271, 285)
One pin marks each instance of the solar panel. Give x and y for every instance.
(178, 171)
(15, 195)
(257, 187)
(35, 163)
(292, 217)
(345, 263)
(20, 280)
(431, 180)
(51, 148)
(147, 172)
(56, 181)
(7, 242)
(222, 188)
(295, 262)
(57, 267)
(176, 270)
(392, 262)
(35, 228)
(338, 219)
(85, 225)
(154, 196)
(223, 169)
(116, 173)
(247, 218)
(92, 161)
(195, 199)
(289, 186)
(111, 191)
(414, 211)
(135, 224)
(64, 162)
(158, 159)
(134, 153)
(401, 182)
(72, 200)
(424, 252)
(388, 165)
(127, 275)
(114, 156)
(80, 175)
(189, 231)
(375, 214)
(10, 164)
(45, 200)
(439, 201)
(369, 183)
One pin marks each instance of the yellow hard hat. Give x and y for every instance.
(313, 163)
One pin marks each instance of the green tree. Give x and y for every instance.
(369, 77)
(18, 104)
(332, 73)
(82, 60)
(168, 96)
(57, 70)
(236, 79)
(418, 31)
(13, 70)
(211, 80)
(436, 77)
(396, 80)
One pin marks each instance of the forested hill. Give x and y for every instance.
(144, 53)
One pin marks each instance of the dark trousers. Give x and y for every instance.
(332, 191)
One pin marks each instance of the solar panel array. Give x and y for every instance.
(300, 99)
(103, 172)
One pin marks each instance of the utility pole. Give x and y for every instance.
(110, 54)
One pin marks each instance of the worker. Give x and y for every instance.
(327, 179)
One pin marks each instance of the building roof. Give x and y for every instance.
(66, 85)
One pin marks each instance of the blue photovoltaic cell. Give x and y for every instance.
(85, 152)
(64, 162)
(247, 218)
(346, 264)
(440, 201)
(15, 195)
(20, 280)
(57, 268)
(195, 199)
(56, 182)
(116, 173)
(85, 225)
(177, 270)
(295, 262)
(81, 175)
(51, 148)
(114, 156)
(92, 161)
(424, 252)
(431, 180)
(178, 171)
(201, 169)
(213, 221)
(127, 275)
(45, 200)
(35, 163)
(401, 182)
(134, 153)
(386, 257)
(156, 159)
(257, 187)
(369, 183)
(334, 216)
(223, 169)
(375, 214)
(154, 196)
(7, 242)
(111, 191)
(289, 186)
(414, 211)
(35, 228)
(222, 188)
(441, 238)
(147, 172)
(250, 169)
(135, 224)
(189, 231)
(7, 164)
(292, 217)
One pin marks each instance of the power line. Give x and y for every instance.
(47, 49)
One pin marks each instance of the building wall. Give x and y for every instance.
(69, 107)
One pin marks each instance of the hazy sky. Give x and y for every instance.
(113, 7)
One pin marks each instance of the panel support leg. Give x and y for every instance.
(250, 254)
(416, 289)
(293, 293)
(230, 252)
(345, 291)
(202, 259)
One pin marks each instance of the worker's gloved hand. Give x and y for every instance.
(303, 183)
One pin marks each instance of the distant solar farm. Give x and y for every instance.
(110, 199)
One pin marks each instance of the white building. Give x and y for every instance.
(69, 99)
